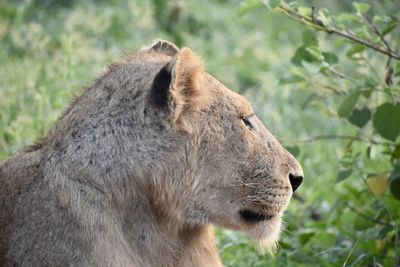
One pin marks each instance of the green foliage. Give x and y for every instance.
(333, 101)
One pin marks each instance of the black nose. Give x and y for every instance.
(295, 181)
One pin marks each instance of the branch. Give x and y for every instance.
(319, 25)
(344, 137)
(375, 30)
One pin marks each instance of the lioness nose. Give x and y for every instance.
(295, 181)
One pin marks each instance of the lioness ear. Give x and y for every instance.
(164, 47)
(177, 86)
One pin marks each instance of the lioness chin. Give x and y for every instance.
(139, 169)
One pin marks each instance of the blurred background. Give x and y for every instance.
(319, 94)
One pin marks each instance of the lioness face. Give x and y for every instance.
(249, 176)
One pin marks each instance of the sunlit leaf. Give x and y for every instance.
(378, 184)
(386, 121)
(304, 11)
(361, 7)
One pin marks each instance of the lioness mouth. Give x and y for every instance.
(253, 217)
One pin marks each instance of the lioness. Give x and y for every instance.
(139, 169)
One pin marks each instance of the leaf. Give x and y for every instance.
(330, 58)
(366, 93)
(348, 104)
(395, 173)
(247, 6)
(305, 237)
(303, 54)
(378, 184)
(360, 117)
(294, 150)
(272, 4)
(395, 188)
(395, 154)
(304, 11)
(388, 29)
(361, 223)
(309, 38)
(380, 244)
(354, 50)
(386, 121)
(343, 174)
(361, 7)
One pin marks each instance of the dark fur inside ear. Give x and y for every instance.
(164, 47)
(160, 88)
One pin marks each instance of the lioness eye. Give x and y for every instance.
(247, 122)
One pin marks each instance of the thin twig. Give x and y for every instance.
(345, 137)
(319, 25)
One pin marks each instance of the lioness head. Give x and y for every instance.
(215, 160)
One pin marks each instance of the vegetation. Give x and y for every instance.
(324, 76)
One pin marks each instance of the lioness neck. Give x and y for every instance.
(164, 242)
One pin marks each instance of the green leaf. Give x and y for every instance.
(395, 188)
(348, 104)
(309, 38)
(343, 174)
(305, 237)
(304, 11)
(271, 4)
(330, 58)
(360, 117)
(366, 93)
(294, 150)
(303, 54)
(247, 6)
(361, 223)
(354, 50)
(361, 7)
(395, 154)
(388, 29)
(386, 121)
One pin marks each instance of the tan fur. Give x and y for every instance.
(139, 170)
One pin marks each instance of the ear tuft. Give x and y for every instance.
(164, 47)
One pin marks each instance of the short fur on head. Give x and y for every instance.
(141, 167)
